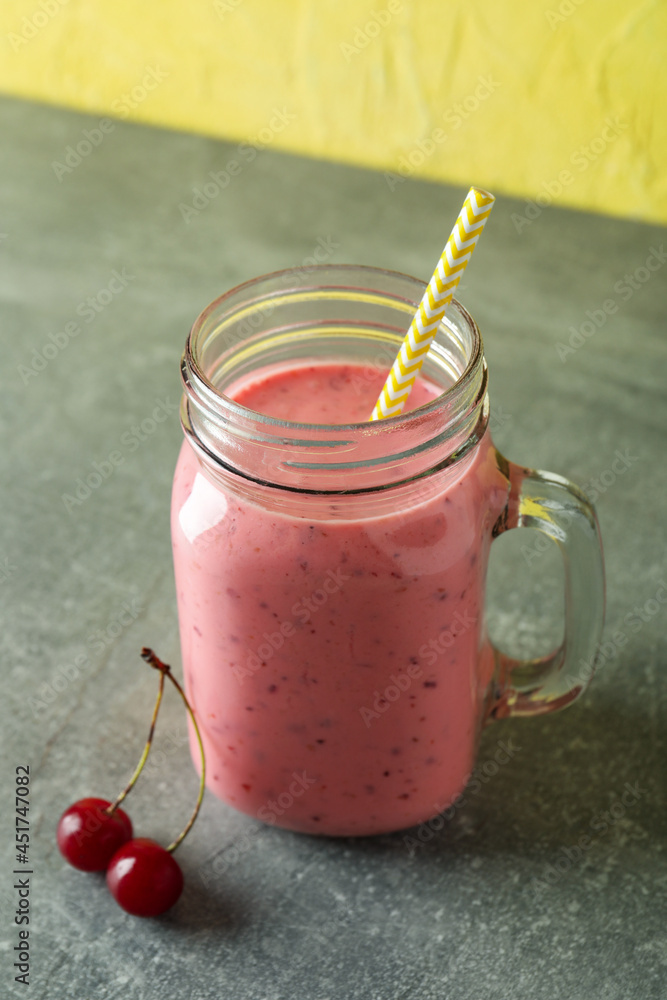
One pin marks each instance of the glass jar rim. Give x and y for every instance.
(329, 313)
(191, 367)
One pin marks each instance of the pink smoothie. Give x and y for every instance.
(336, 667)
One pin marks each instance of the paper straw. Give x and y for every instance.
(458, 251)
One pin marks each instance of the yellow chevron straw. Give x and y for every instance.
(458, 251)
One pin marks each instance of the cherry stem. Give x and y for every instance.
(110, 810)
(149, 656)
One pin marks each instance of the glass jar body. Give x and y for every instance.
(338, 666)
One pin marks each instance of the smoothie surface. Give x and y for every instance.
(323, 393)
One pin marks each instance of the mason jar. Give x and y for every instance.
(331, 577)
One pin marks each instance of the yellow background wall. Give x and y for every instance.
(520, 91)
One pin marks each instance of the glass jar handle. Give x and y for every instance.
(558, 509)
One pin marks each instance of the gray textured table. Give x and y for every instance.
(499, 904)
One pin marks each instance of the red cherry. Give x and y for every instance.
(88, 837)
(144, 878)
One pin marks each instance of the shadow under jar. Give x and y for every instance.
(331, 577)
